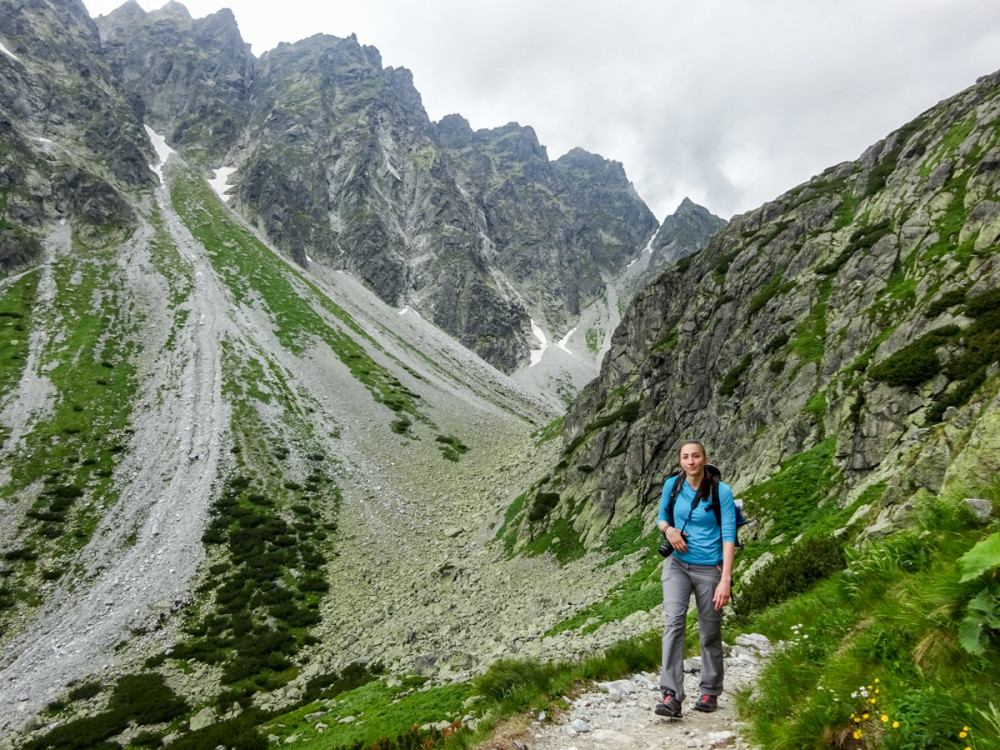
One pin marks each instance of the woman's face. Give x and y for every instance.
(693, 459)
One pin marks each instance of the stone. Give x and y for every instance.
(621, 687)
(579, 726)
(692, 665)
(645, 683)
(721, 739)
(204, 718)
(755, 641)
(981, 508)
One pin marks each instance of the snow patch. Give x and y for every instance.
(536, 354)
(39, 138)
(404, 311)
(163, 151)
(220, 182)
(649, 245)
(564, 342)
(9, 54)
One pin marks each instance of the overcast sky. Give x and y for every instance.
(728, 102)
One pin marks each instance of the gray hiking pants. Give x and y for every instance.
(679, 580)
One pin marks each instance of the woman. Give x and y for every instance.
(702, 561)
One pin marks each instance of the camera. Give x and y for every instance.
(667, 549)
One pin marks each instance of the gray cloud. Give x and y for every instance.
(729, 102)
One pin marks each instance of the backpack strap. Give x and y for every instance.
(674, 492)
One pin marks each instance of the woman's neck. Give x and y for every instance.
(694, 482)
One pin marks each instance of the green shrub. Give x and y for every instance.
(684, 263)
(732, 379)
(240, 733)
(544, 502)
(627, 413)
(353, 676)
(86, 691)
(915, 362)
(861, 241)
(776, 343)
(145, 699)
(766, 293)
(945, 302)
(805, 564)
(139, 699)
(722, 267)
(957, 396)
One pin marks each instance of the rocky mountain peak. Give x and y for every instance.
(687, 228)
(126, 13)
(175, 9)
(517, 142)
(453, 131)
(191, 74)
(593, 165)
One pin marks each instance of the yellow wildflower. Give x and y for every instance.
(895, 725)
(961, 734)
(884, 717)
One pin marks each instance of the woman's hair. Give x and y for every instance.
(693, 442)
(705, 488)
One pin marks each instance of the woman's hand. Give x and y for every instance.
(675, 537)
(722, 592)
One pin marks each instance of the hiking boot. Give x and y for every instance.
(707, 703)
(669, 707)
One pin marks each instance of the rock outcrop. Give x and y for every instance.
(71, 140)
(849, 320)
(192, 75)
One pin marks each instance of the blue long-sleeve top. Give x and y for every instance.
(704, 541)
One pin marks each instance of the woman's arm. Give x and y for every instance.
(725, 588)
(672, 534)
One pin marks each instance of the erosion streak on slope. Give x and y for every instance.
(148, 546)
(35, 394)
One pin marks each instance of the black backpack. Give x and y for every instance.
(714, 475)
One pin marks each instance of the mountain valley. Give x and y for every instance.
(302, 393)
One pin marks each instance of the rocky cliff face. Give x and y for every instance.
(684, 232)
(71, 142)
(339, 164)
(192, 75)
(850, 323)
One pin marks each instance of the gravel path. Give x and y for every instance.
(619, 715)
